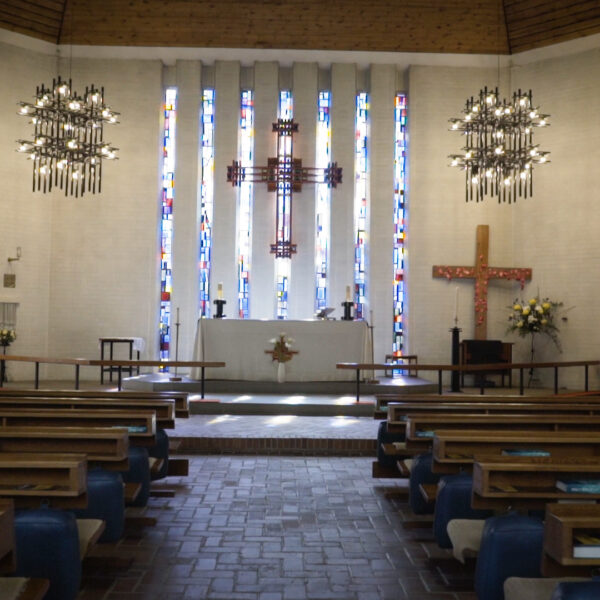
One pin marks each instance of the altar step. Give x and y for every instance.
(309, 399)
(383, 385)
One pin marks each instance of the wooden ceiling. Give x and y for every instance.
(449, 26)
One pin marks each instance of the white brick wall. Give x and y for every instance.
(90, 266)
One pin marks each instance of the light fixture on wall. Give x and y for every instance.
(499, 153)
(68, 144)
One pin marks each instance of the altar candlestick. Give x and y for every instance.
(348, 294)
(456, 306)
(220, 290)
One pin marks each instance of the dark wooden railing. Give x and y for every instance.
(495, 367)
(118, 364)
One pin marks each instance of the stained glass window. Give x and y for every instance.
(166, 222)
(206, 199)
(360, 203)
(323, 207)
(399, 239)
(282, 265)
(246, 193)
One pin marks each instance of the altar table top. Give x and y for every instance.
(241, 343)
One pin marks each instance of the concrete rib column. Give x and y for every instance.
(302, 279)
(262, 267)
(381, 230)
(343, 115)
(185, 213)
(227, 116)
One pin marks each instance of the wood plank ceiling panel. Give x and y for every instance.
(536, 23)
(465, 26)
(453, 26)
(38, 18)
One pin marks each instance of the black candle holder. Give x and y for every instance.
(219, 304)
(455, 377)
(348, 311)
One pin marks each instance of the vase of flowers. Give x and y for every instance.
(7, 337)
(281, 353)
(533, 317)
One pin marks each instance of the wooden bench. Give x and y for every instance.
(58, 479)
(141, 425)
(455, 451)
(179, 398)
(500, 482)
(104, 447)
(164, 410)
(562, 523)
(420, 429)
(21, 588)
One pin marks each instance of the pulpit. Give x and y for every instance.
(320, 345)
(482, 352)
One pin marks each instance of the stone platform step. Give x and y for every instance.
(279, 446)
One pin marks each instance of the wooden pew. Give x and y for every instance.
(104, 447)
(22, 588)
(165, 411)
(420, 429)
(141, 425)
(562, 523)
(180, 399)
(500, 482)
(456, 450)
(58, 479)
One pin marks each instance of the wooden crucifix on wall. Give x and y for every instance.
(482, 273)
(284, 175)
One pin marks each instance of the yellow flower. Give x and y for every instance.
(533, 302)
(526, 311)
(517, 307)
(546, 305)
(520, 324)
(544, 321)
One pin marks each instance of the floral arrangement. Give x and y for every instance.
(282, 351)
(7, 336)
(534, 316)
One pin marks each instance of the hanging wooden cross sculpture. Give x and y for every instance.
(284, 175)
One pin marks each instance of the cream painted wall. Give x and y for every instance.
(90, 266)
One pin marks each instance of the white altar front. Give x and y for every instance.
(241, 344)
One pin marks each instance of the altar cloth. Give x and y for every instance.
(241, 344)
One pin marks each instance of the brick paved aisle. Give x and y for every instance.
(278, 528)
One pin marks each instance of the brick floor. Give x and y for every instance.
(278, 528)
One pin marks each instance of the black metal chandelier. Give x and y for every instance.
(499, 153)
(68, 144)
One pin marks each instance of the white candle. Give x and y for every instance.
(456, 306)
(348, 294)
(371, 317)
(177, 321)
(220, 290)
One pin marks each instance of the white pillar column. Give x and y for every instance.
(262, 266)
(227, 117)
(343, 115)
(185, 212)
(302, 278)
(381, 230)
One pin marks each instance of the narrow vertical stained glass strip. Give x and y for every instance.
(323, 202)
(360, 203)
(206, 199)
(399, 233)
(166, 222)
(244, 213)
(282, 265)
